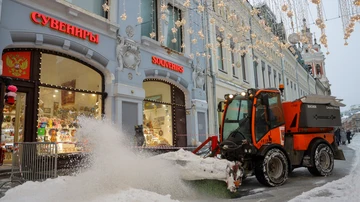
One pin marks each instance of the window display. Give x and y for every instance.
(157, 124)
(164, 114)
(58, 112)
(63, 96)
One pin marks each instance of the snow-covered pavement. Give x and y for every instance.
(344, 189)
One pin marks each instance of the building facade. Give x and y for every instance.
(69, 58)
(163, 64)
(249, 49)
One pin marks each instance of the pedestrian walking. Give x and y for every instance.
(348, 136)
(343, 136)
(337, 136)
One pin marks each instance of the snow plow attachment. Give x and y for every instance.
(210, 176)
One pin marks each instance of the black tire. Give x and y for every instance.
(272, 170)
(323, 160)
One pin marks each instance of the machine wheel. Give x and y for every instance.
(323, 160)
(272, 170)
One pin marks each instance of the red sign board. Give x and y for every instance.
(167, 64)
(16, 64)
(66, 28)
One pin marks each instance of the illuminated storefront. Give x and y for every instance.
(61, 68)
(164, 113)
(58, 88)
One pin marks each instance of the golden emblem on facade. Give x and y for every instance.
(17, 64)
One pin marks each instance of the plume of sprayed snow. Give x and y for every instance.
(114, 168)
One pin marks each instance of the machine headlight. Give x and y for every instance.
(243, 93)
(231, 96)
(245, 150)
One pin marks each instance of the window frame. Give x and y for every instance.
(233, 59)
(243, 67)
(220, 50)
(274, 72)
(263, 67)
(180, 29)
(269, 75)
(106, 14)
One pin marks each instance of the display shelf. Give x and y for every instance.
(8, 114)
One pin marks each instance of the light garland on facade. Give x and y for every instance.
(290, 11)
(124, 16)
(139, 18)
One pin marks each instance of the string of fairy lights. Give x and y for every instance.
(291, 14)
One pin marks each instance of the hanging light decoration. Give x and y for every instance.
(106, 6)
(124, 16)
(317, 2)
(139, 19)
(200, 8)
(284, 7)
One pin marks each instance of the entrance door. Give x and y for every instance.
(13, 126)
(181, 139)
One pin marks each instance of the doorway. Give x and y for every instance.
(164, 114)
(13, 125)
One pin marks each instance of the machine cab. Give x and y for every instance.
(255, 116)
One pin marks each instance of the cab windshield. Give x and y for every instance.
(237, 117)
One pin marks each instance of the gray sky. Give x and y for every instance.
(343, 63)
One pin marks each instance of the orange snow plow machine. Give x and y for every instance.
(269, 138)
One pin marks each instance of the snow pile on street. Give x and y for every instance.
(344, 189)
(117, 174)
(194, 167)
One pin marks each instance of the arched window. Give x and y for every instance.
(318, 69)
(164, 117)
(68, 89)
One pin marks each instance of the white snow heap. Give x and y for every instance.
(194, 167)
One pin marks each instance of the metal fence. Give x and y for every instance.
(34, 161)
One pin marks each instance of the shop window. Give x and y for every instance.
(64, 72)
(93, 6)
(57, 116)
(68, 89)
(163, 113)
